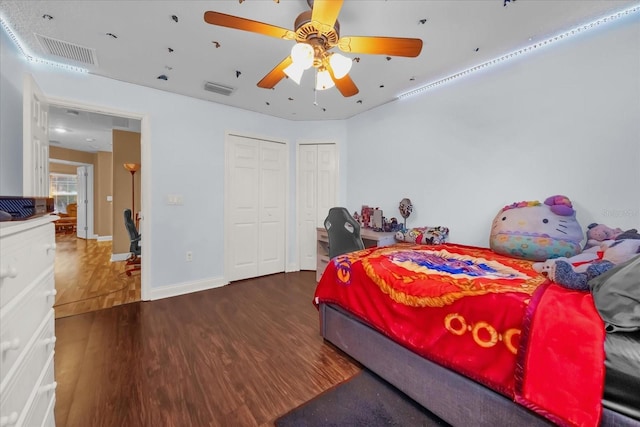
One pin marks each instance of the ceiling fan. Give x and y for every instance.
(316, 33)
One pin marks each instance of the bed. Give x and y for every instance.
(479, 338)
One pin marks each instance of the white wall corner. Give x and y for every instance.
(292, 267)
(186, 288)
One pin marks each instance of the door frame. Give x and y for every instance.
(90, 233)
(227, 197)
(337, 179)
(145, 176)
(88, 207)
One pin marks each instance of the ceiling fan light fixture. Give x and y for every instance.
(294, 72)
(324, 80)
(302, 55)
(341, 65)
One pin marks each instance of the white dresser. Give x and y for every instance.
(27, 334)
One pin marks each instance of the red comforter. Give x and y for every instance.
(484, 315)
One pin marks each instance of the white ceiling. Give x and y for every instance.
(456, 34)
(85, 130)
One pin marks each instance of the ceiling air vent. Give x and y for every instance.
(68, 50)
(218, 88)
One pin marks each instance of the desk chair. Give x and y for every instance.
(68, 221)
(133, 262)
(343, 232)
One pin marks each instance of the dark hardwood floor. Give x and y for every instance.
(239, 355)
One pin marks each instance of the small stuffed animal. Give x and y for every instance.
(579, 262)
(597, 233)
(575, 272)
(564, 275)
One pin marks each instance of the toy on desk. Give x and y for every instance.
(424, 235)
(391, 225)
(377, 220)
(365, 216)
(406, 207)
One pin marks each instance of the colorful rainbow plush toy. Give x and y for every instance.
(537, 231)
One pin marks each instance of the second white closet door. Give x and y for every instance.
(256, 207)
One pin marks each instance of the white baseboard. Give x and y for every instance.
(291, 268)
(105, 238)
(120, 257)
(186, 288)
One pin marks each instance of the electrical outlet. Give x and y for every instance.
(189, 256)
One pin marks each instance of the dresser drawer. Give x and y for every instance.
(43, 401)
(17, 389)
(24, 256)
(20, 320)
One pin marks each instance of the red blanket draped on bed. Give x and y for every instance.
(484, 315)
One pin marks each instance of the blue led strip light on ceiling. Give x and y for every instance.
(35, 59)
(536, 46)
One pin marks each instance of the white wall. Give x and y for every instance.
(561, 121)
(12, 68)
(186, 157)
(565, 120)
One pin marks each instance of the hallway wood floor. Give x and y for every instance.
(87, 280)
(239, 355)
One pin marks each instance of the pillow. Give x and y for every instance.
(616, 295)
(424, 235)
(537, 231)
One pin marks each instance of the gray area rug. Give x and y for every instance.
(363, 400)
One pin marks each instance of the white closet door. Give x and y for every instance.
(243, 194)
(255, 209)
(307, 204)
(272, 183)
(317, 193)
(327, 180)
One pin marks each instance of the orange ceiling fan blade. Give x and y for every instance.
(393, 46)
(345, 85)
(274, 76)
(229, 21)
(326, 11)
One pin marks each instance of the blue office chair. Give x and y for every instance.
(343, 232)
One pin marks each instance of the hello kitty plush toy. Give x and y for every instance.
(537, 231)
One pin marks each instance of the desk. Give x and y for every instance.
(66, 224)
(370, 238)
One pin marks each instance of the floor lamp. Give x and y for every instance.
(133, 168)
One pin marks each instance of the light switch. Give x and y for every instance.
(109, 198)
(174, 199)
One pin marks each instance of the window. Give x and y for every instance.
(64, 190)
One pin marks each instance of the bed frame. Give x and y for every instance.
(452, 397)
